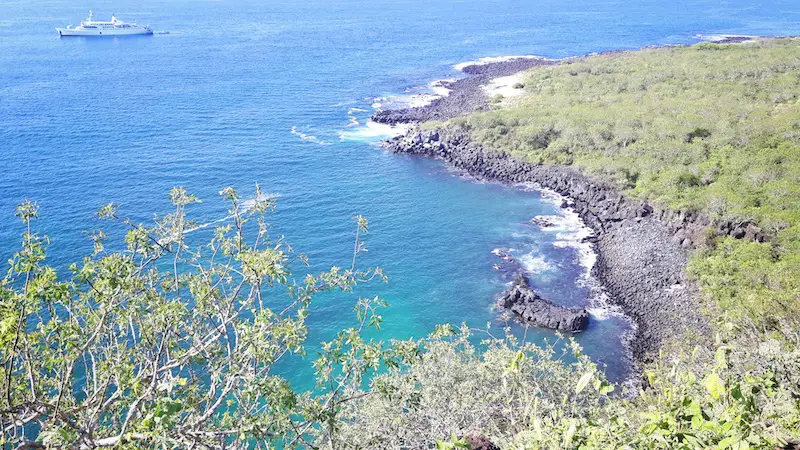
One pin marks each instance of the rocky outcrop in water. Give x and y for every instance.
(534, 310)
(641, 249)
(543, 222)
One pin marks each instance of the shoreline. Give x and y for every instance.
(471, 92)
(465, 95)
(641, 250)
(639, 263)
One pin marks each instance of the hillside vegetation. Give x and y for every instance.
(711, 127)
(159, 342)
(165, 345)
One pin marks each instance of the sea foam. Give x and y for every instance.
(415, 97)
(571, 232)
(372, 132)
(535, 264)
(308, 137)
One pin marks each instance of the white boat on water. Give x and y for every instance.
(114, 27)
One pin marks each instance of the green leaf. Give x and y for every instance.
(651, 377)
(603, 387)
(727, 442)
(693, 440)
(583, 382)
(515, 362)
(537, 426)
(453, 444)
(720, 357)
(570, 433)
(715, 386)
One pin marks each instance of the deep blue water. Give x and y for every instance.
(215, 102)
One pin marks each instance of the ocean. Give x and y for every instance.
(279, 93)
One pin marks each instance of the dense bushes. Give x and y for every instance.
(163, 344)
(525, 397)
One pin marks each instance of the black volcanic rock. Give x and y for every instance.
(532, 309)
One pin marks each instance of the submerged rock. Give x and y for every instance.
(532, 309)
(508, 267)
(542, 221)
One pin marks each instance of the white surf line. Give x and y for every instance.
(373, 132)
(570, 233)
(308, 137)
(415, 97)
(721, 37)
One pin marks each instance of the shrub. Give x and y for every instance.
(523, 396)
(496, 99)
(163, 344)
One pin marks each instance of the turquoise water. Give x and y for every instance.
(277, 93)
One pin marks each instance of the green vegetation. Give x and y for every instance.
(525, 397)
(497, 99)
(167, 344)
(712, 128)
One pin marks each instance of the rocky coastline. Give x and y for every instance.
(466, 94)
(641, 249)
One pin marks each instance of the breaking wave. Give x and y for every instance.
(372, 132)
(308, 137)
(535, 264)
(571, 232)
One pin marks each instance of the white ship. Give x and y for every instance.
(115, 27)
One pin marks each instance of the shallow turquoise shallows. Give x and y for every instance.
(278, 93)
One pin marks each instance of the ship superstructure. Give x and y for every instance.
(114, 27)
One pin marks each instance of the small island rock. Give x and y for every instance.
(532, 309)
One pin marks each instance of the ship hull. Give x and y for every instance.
(76, 32)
